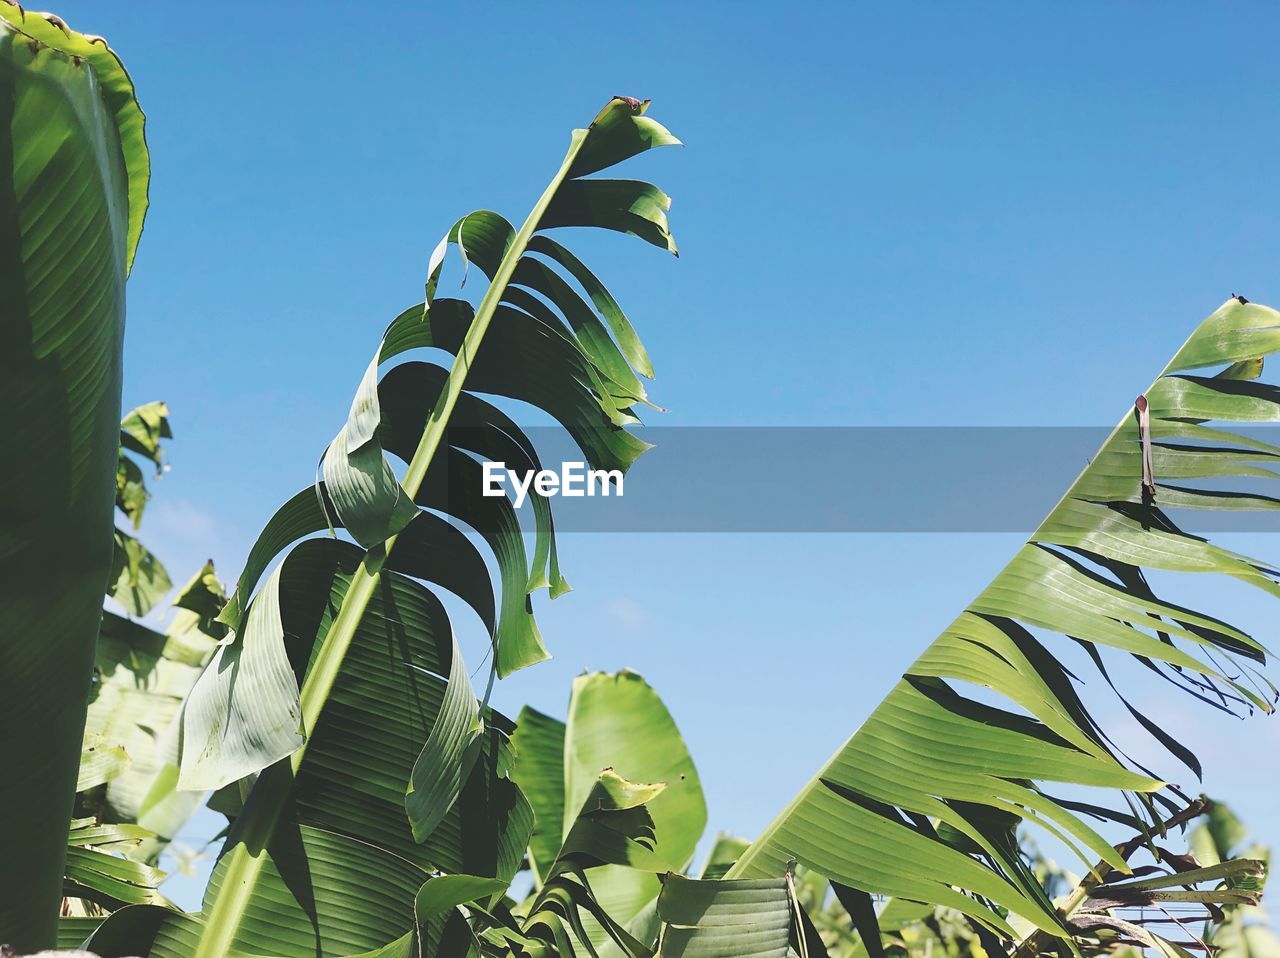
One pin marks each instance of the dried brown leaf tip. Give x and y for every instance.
(1239, 299)
(634, 105)
(56, 21)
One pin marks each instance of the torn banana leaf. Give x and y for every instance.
(920, 802)
(320, 701)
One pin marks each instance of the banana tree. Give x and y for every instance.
(1242, 931)
(923, 801)
(576, 859)
(602, 842)
(614, 833)
(338, 706)
(73, 194)
(615, 721)
(142, 676)
(126, 804)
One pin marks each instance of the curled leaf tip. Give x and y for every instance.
(631, 104)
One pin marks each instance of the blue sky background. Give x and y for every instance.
(914, 213)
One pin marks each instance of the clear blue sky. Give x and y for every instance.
(924, 213)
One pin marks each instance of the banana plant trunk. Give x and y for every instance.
(67, 232)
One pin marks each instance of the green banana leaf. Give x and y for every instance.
(708, 918)
(347, 834)
(73, 186)
(126, 801)
(1158, 909)
(128, 770)
(339, 704)
(727, 849)
(615, 721)
(1243, 931)
(444, 926)
(141, 431)
(103, 866)
(142, 678)
(613, 828)
(138, 579)
(921, 802)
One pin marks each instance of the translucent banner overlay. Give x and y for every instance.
(860, 479)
